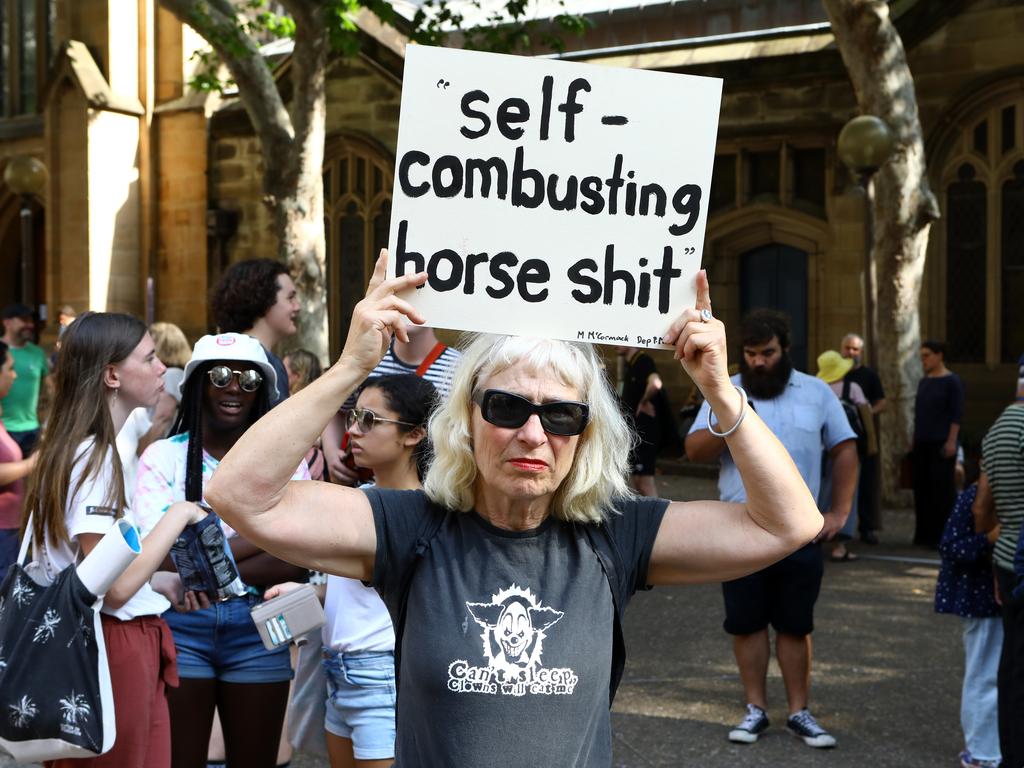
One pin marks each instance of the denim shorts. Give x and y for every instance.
(221, 643)
(361, 701)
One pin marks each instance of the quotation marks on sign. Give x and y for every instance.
(442, 83)
(689, 250)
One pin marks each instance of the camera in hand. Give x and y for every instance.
(204, 560)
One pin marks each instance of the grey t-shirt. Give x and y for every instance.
(507, 648)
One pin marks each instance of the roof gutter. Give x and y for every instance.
(691, 42)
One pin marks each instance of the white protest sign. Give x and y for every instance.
(552, 199)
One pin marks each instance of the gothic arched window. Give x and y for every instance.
(357, 217)
(978, 273)
(1013, 265)
(965, 267)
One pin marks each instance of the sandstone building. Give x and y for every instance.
(153, 189)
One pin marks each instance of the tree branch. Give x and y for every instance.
(217, 22)
(876, 63)
(904, 208)
(309, 67)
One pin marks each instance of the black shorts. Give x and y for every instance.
(644, 457)
(782, 595)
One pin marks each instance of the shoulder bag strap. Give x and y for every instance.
(846, 390)
(611, 563)
(427, 533)
(430, 359)
(25, 542)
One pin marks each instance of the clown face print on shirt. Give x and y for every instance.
(515, 625)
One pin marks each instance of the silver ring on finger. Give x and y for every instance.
(706, 316)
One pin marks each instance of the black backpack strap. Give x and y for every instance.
(846, 391)
(611, 563)
(426, 535)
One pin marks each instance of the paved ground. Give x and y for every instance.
(886, 671)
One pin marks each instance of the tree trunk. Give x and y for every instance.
(299, 207)
(291, 141)
(904, 208)
(299, 226)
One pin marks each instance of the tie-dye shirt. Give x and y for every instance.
(161, 480)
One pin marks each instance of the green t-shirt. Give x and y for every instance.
(21, 402)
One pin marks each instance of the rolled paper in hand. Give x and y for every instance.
(109, 559)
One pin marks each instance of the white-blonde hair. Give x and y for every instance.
(598, 474)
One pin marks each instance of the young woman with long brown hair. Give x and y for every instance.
(108, 368)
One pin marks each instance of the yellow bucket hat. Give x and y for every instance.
(832, 366)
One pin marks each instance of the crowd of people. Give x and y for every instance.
(475, 522)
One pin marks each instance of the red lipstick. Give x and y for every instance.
(529, 465)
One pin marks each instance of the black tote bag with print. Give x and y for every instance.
(55, 695)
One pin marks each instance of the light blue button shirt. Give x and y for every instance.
(807, 418)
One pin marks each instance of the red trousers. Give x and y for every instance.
(140, 654)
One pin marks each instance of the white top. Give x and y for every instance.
(86, 513)
(135, 428)
(357, 619)
(856, 393)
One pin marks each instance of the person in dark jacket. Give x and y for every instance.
(965, 588)
(938, 409)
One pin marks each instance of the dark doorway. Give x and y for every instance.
(10, 256)
(775, 276)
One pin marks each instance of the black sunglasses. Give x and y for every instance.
(511, 411)
(366, 419)
(249, 381)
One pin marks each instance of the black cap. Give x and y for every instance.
(17, 310)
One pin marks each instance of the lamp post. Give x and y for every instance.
(26, 177)
(864, 145)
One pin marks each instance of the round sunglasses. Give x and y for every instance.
(366, 419)
(249, 381)
(511, 411)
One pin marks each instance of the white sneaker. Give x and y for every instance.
(804, 726)
(748, 731)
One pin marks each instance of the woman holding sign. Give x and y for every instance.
(507, 575)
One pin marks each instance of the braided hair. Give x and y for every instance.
(190, 420)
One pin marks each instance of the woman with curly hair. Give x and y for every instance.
(258, 298)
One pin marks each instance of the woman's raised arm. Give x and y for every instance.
(313, 524)
(717, 541)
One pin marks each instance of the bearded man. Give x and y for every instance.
(809, 421)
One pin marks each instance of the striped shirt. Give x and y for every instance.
(1002, 459)
(439, 373)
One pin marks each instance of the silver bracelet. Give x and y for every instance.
(743, 414)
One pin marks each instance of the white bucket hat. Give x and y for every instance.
(227, 347)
